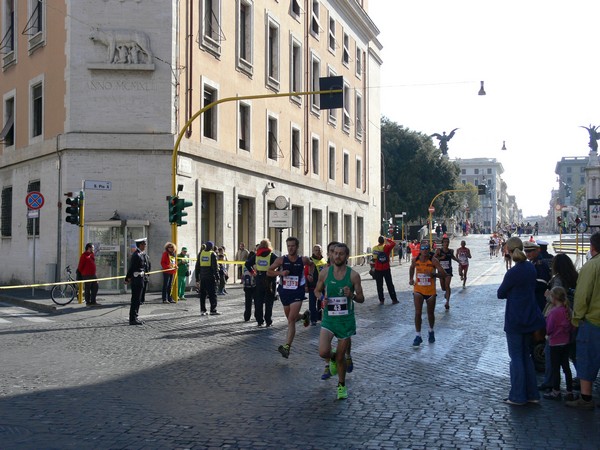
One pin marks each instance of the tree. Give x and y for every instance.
(416, 172)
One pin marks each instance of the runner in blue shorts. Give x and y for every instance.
(341, 287)
(291, 290)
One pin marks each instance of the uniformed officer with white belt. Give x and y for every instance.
(139, 266)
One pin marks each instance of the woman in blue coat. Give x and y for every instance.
(522, 317)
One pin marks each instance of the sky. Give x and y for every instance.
(539, 61)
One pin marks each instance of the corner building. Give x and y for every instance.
(97, 91)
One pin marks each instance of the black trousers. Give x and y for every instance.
(559, 357)
(90, 289)
(386, 275)
(207, 288)
(263, 302)
(248, 300)
(138, 293)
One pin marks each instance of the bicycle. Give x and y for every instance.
(63, 294)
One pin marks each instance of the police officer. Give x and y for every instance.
(207, 274)
(139, 266)
(264, 295)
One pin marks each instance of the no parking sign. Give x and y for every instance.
(34, 200)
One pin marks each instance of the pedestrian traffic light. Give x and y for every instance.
(181, 205)
(481, 189)
(172, 209)
(559, 220)
(73, 210)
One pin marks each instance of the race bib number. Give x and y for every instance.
(290, 282)
(445, 264)
(423, 279)
(463, 259)
(337, 306)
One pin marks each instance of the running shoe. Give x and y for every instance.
(342, 392)
(326, 374)
(284, 350)
(349, 364)
(306, 318)
(431, 337)
(332, 364)
(418, 340)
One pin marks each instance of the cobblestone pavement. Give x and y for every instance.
(87, 380)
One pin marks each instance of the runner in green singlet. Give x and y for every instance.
(342, 287)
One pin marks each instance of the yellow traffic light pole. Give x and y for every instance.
(195, 116)
(431, 213)
(81, 238)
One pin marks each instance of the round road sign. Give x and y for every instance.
(34, 200)
(431, 210)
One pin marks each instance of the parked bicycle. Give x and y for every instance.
(63, 294)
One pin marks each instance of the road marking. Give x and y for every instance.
(21, 313)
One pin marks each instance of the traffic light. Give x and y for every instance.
(559, 221)
(73, 210)
(172, 209)
(181, 205)
(481, 189)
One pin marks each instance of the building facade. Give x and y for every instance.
(96, 93)
(496, 206)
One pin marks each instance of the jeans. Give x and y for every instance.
(523, 384)
(167, 285)
(90, 289)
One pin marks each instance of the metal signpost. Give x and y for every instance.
(34, 201)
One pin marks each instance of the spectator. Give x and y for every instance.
(86, 270)
(522, 317)
(168, 262)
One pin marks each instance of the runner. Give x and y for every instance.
(445, 256)
(349, 363)
(291, 290)
(424, 266)
(463, 254)
(341, 287)
(492, 243)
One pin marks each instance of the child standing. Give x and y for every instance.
(558, 330)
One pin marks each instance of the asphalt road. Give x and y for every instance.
(83, 378)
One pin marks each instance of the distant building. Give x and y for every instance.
(571, 178)
(496, 205)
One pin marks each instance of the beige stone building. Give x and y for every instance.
(95, 92)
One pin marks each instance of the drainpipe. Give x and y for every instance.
(57, 270)
(189, 50)
(306, 100)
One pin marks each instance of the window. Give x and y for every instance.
(272, 59)
(346, 52)
(359, 116)
(211, 31)
(476, 182)
(34, 28)
(295, 9)
(358, 173)
(272, 138)
(7, 44)
(244, 126)
(346, 123)
(295, 147)
(315, 155)
(209, 118)
(31, 187)
(476, 171)
(6, 222)
(295, 68)
(582, 180)
(568, 170)
(314, 20)
(464, 182)
(331, 41)
(331, 162)
(315, 66)
(37, 108)
(359, 62)
(463, 171)
(7, 135)
(569, 180)
(245, 33)
(489, 171)
(346, 162)
(332, 112)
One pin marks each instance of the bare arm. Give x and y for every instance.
(359, 296)
(321, 284)
(274, 271)
(411, 272)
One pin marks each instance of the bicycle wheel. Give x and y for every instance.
(63, 294)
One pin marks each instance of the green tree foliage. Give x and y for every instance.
(416, 172)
